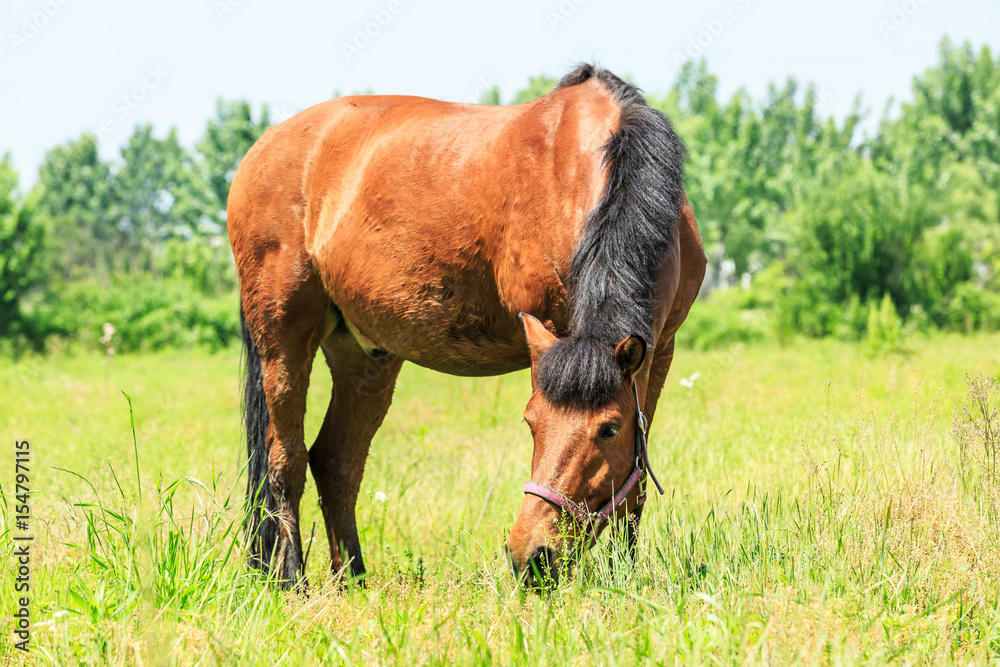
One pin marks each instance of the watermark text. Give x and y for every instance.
(363, 35)
(22, 545)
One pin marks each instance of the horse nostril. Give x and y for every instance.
(541, 570)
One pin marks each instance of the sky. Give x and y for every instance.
(72, 66)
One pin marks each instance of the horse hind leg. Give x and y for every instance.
(362, 391)
(283, 328)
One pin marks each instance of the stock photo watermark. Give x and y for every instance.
(224, 7)
(35, 22)
(823, 97)
(713, 29)
(281, 114)
(22, 545)
(129, 101)
(561, 12)
(484, 85)
(365, 34)
(900, 15)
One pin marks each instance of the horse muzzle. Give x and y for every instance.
(539, 569)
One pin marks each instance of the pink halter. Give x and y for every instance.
(594, 520)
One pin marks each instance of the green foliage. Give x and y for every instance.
(76, 196)
(205, 262)
(747, 162)
(971, 308)
(141, 246)
(490, 96)
(160, 194)
(727, 317)
(855, 234)
(22, 271)
(227, 139)
(150, 314)
(911, 216)
(537, 86)
(827, 227)
(954, 117)
(885, 330)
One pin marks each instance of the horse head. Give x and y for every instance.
(589, 457)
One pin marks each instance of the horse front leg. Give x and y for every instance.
(659, 368)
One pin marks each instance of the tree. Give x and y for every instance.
(944, 145)
(22, 237)
(160, 195)
(76, 197)
(227, 139)
(859, 228)
(954, 117)
(746, 163)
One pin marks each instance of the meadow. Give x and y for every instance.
(823, 505)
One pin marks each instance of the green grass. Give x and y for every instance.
(816, 511)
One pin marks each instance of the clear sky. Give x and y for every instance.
(69, 66)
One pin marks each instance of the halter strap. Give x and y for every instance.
(641, 440)
(579, 513)
(594, 520)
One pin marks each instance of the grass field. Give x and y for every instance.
(818, 509)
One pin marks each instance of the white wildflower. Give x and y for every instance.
(688, 382)
(380, 497)
(109, 332)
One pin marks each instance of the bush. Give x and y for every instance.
(149, 314)
(724, 318)
(972, 308)
(885, 330)
(857, 234)
(206, 262)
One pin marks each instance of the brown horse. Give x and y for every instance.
(384, 229)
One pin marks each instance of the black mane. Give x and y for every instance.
(614, 267)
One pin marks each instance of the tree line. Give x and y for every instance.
(810, 228)
(832, 233)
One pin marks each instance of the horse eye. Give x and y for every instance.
(608, 431)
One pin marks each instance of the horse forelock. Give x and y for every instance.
(614, 268)
(580, 372)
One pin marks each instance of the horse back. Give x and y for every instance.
(432, 224)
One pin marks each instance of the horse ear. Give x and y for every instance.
(539, 338)
(630, 354)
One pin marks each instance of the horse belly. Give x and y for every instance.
(452, 324)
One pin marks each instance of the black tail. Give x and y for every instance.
(261, 520)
